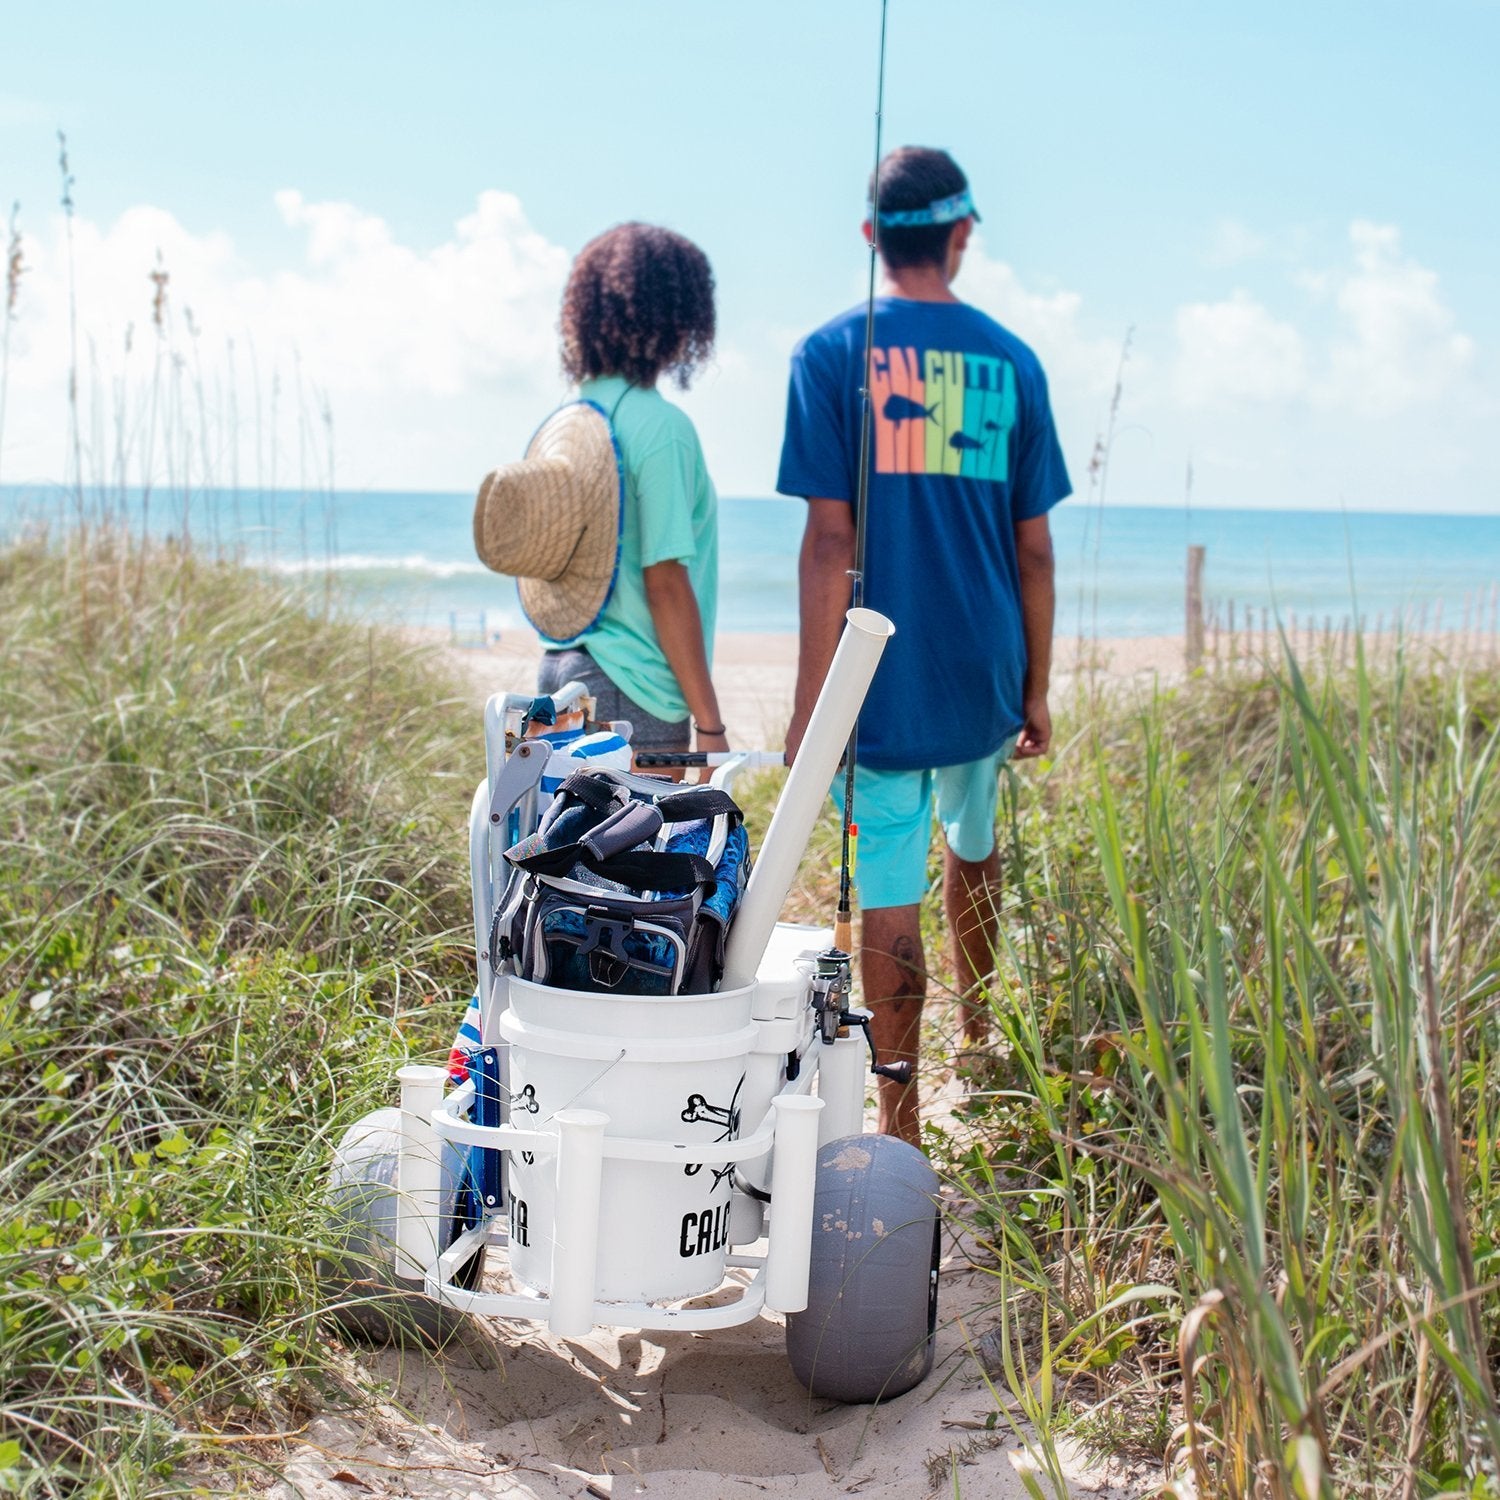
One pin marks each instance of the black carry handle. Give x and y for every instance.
(605, 790)
(671, 758)
(623, 829)
(695, 802)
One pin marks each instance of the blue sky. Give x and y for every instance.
(1295, 207)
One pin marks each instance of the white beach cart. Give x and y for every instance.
(665, 1162)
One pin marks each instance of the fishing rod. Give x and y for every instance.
(843, 920)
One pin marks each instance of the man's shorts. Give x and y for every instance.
(894, 810)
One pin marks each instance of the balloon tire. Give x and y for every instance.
(362, 1294)
(867, 1332)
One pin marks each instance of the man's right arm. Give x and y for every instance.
(823, 597)
(1038, 604)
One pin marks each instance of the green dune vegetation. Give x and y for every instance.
(232, 895)
(1236, 1166)
(1229, 1164)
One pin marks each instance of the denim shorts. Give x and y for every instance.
(894, 813)
(647, 732)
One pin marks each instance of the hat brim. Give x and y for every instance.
(564, 608)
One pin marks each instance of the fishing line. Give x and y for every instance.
(843, 916)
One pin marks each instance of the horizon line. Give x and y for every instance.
(95, 492)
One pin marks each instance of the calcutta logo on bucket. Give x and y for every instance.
(704, 1231)
(520, 1228)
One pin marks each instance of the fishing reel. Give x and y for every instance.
(832, 984)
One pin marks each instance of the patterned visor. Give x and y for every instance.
(944, 211)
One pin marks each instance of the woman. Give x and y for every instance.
(639, 305)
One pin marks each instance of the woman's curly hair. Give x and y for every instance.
(639, 303)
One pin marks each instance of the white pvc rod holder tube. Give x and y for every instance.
(828, 730)
(841, 1087)
(575, 1245)
(419, 1170)
(794, 1174)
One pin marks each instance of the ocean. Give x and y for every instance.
(409, 558)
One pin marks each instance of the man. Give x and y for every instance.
(964, 467)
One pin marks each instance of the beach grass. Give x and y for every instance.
(1233, 1172)
(1229, 1167)
(232, 899)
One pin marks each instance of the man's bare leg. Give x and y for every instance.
(893, 972)
(971, 898)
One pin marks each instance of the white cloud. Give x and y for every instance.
(480, 307)
(1295, 405)
(1399, 346)
(1394, 346)
(437, 361)
(1235, 350)
(433, 360)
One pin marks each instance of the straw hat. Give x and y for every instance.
(552, 521)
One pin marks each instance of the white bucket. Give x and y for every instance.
(663, 1068)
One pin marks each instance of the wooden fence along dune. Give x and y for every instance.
(1225, 633)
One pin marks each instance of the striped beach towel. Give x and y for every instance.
(573, 749)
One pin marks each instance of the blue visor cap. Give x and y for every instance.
(943, 211)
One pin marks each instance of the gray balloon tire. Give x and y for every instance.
(867, 1331)
(362, 1294)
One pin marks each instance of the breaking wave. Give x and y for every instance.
(366, 562)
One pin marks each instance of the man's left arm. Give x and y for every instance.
(1038, 604)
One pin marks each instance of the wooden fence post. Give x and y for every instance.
(1193, 634)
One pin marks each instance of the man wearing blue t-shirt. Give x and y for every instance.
(964, 467)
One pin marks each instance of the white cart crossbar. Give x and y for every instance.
(789, 1130)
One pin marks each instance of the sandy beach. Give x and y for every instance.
(756, 674)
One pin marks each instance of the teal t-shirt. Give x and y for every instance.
(671, 515)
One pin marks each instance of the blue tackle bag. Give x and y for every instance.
(627, 886)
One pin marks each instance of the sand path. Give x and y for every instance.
(516, 1413)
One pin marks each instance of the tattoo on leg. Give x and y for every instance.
(909, 956)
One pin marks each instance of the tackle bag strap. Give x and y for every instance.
(595, 789)
(655, 870)
(640, 869)
(699, 802)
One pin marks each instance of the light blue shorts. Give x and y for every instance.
(894, 811)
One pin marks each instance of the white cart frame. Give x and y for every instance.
(788, 1059)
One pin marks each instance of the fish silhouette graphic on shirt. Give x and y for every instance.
(904, 409)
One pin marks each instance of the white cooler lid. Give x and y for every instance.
(783, 969)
